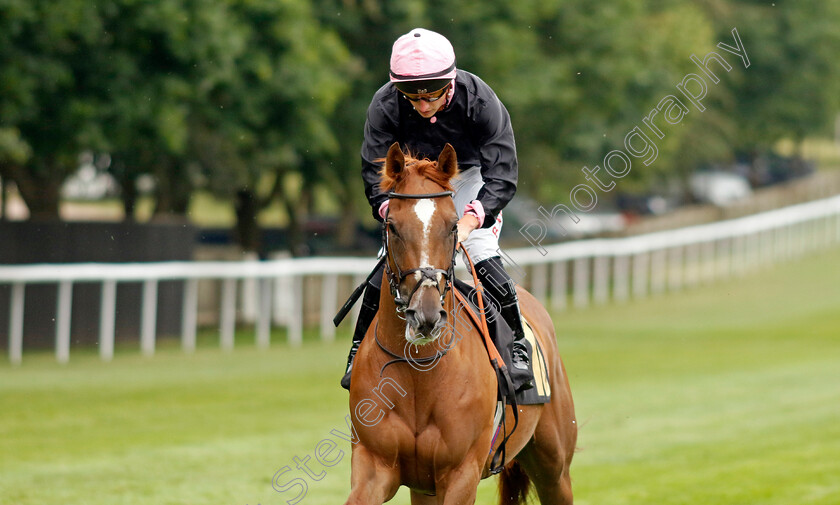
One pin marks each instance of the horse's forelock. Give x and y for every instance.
(414, 166)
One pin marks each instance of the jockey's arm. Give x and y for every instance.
(467, 225)
(379, 134)
(499, 165)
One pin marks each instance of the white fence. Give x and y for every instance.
(272, 292)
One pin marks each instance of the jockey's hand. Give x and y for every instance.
(466, 225)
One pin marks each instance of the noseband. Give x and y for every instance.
(426, 273)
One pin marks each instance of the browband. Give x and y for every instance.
(392, 194)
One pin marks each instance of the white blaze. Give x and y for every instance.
(425, 209)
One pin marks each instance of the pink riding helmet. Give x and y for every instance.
(422, 55)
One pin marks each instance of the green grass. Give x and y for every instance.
(723, 395)
(205, 209)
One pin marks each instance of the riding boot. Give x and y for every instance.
(498, 284)
(370, 305)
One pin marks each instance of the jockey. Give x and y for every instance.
(427, 103)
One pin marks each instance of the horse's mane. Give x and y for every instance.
(422, 167)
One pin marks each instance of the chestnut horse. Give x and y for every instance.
(428, 424)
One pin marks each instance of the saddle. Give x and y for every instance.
(501, 336)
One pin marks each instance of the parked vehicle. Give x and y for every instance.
(718, 188)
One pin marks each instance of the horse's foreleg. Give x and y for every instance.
(371, 481)
(460, 485)
(422, 499)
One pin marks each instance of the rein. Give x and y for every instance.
(400, 359)
(506, 392)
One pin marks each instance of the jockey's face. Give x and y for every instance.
(428, 104)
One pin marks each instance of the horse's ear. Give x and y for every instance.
(447, 161)
(394, 161)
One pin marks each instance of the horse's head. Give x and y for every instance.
(420, 238)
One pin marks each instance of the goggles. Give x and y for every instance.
(430, 99)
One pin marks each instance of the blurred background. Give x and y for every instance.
(229, 130)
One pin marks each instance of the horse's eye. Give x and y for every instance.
(391, 227)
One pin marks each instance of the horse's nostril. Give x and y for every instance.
(411, 317)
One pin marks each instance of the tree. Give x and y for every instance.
(792, 87)
(161, 63)
(49, 102)
(221, 93)
(118, 76)
(267, 123)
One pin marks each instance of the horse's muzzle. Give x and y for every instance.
(426, 319)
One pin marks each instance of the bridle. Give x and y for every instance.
(426, 273)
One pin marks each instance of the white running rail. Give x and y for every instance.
(601, 270)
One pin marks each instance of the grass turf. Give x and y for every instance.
(727, 394)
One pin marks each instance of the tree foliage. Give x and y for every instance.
(47, 108)
(792, 88)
